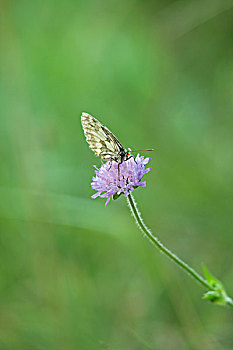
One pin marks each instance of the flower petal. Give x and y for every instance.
(107, 201)
(96, 195)
(114, 178)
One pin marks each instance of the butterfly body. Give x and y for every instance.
(102, 141)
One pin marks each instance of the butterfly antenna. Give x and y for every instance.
(142, 150)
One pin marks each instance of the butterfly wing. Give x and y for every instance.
(101, 140)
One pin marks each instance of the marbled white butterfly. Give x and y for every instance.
(102, 141)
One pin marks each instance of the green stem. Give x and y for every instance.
(162, 248)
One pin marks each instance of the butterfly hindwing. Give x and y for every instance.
(101, 140)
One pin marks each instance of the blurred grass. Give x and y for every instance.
(74, 274)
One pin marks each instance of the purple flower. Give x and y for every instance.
(111, 182)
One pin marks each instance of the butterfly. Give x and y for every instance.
(102, 141)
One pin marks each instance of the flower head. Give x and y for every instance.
(110, 181)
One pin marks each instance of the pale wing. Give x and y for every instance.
(100, 139)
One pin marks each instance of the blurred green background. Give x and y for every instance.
(77, 275)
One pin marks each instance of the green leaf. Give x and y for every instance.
(210, 278)
(218, 295)
(116, 196)
(215, 297)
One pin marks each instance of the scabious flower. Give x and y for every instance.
(109, 181)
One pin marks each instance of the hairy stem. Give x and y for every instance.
(154, 240)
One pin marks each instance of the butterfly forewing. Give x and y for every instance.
(101, 140)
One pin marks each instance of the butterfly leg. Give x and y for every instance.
(110, 160)
(133, 158)
(110, 165)
(118, 166)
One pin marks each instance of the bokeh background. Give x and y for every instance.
(77, 275)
